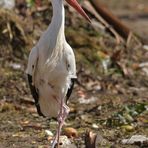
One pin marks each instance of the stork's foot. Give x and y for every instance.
(61, 118)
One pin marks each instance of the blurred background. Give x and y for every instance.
(111, 94)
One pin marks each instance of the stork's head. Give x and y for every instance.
(78, 8)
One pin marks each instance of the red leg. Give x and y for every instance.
(64, 110)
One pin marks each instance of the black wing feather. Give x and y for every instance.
(70, 89)
(35, 95)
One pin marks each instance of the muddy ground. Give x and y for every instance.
(110, 95)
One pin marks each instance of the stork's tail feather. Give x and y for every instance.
(49, 106)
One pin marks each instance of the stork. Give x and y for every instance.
(51, 68)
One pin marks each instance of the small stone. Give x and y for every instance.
(127, 128)
(70, 132)
(65, 142)
(135, 139)
(49, 133)
(95, 126)
(145, 47)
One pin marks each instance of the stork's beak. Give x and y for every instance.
(76, 6)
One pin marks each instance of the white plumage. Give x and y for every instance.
(52, 64)
(51, 67)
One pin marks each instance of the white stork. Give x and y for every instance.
(51, 67)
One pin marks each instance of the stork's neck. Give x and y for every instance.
(58, 21)
(53, 39)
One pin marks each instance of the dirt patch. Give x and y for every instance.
(110, 96)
